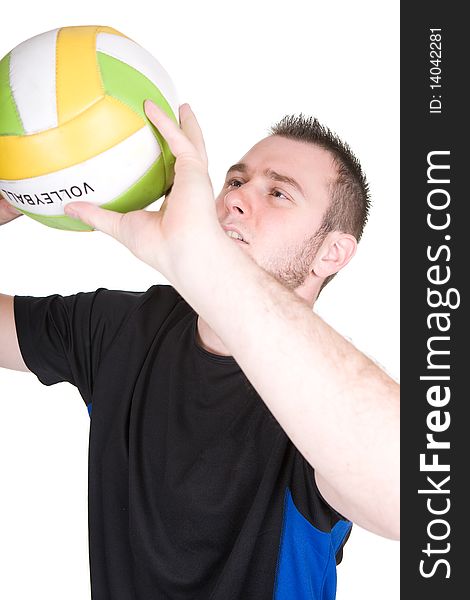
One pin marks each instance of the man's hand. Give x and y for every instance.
(7, 212)
(159, 238)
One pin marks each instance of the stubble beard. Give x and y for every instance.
(293, 265)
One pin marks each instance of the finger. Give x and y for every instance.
(5, 205)
(7, 211)
(177, 141)
(101, 219)
(190, 126)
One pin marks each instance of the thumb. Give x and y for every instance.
(101, 219)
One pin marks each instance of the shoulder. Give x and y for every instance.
(162, 298)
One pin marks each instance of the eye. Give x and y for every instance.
(278, 194)
(234, 183)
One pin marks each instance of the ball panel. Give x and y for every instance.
(32, 81)
(10, 122)
(131, 87)
(62, 222)
(99, 180)
(105, 124)
(142, 61)
(144, 190)
(78, 80)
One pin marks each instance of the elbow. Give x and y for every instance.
(394, 532)
(385, 523)
(387, 530)
(390, 526)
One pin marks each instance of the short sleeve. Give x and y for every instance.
(64, 338)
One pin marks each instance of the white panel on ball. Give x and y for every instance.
(33, 81)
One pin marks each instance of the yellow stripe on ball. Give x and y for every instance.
(103, 125)
(78, 81)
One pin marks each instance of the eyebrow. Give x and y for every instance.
(243, 168)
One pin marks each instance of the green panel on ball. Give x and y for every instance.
(59, 222)
(131, 87)
(142, 193)
(10, 122)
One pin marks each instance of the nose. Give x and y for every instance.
(238, 201)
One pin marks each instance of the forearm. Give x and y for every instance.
(337, 406)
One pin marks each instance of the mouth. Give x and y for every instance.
(235, 235)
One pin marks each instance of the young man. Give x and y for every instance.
(234, 435)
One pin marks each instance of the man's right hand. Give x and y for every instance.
(7, 212)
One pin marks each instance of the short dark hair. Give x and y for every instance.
(350, 198)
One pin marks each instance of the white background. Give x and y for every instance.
(242, 66)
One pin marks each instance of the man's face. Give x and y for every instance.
(275, 199)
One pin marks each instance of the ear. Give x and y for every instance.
(335, 252)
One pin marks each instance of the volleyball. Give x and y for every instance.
(73, 126)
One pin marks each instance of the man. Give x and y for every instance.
(200, 487)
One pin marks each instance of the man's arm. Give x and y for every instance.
(10, 355)
(339, 409)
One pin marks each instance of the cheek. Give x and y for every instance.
(275, 229)
(281, 236)
(269, 236)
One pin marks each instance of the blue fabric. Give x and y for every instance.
(306, 568)
(89, 408)
(339, 532)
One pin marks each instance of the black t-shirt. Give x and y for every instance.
(195, 491)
